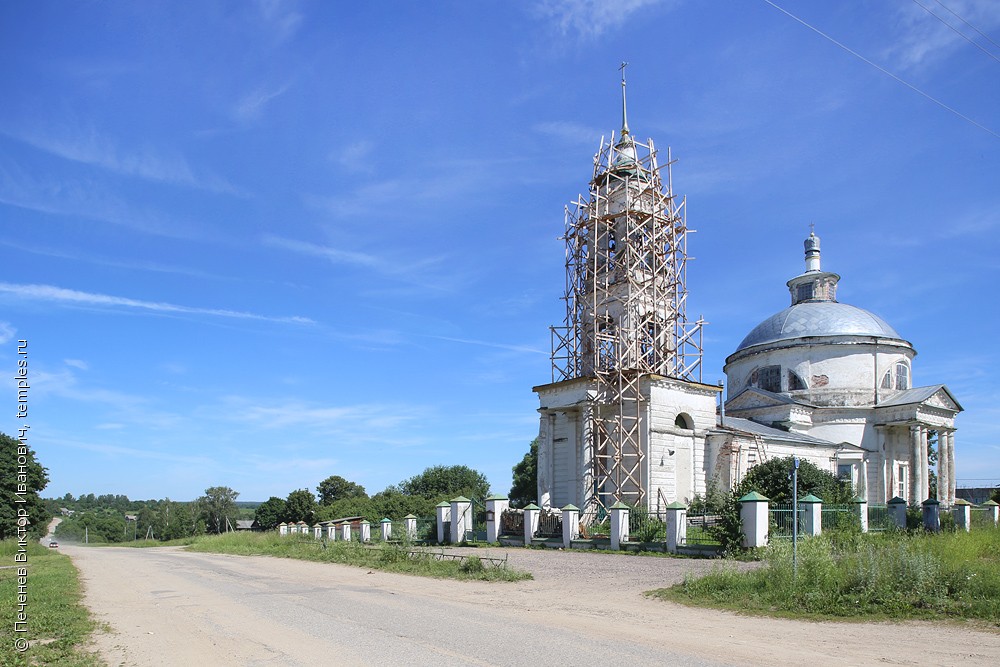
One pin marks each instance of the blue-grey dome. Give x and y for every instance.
(818, 318)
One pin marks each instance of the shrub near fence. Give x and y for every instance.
(879, 520)
(840, 517)
(701, 528)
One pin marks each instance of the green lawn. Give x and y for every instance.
(855, 576)
(58, 624)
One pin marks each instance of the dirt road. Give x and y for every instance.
(171, 607)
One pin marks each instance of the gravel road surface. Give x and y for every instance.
(167, 606)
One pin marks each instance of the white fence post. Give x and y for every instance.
(386, 529)
(754, 513)
(461, 519)
(897, 511)
(495, 507)
(410, 526)
(994, 508)
(443, 515)
(961, 510)
(331, 531)
(619, 525)
(931, 513)
(318, 531)
(676, 522)
(366, 530)
(282, 529)
(812, 515)
(530, 523)
(861, 508)
(570, 525)
(345, 531)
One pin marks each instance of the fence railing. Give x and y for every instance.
(700, 528)
(646, 526)
(549, 524)
(879, 520)
(512, 522)
(981, 517)
(839, 517)
(781, 518)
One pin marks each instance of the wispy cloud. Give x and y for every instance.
(54, 294)
(77, 363)
(923, 39)
(252, 105)
(281, 16)
(356, 157)
(88, 146)
(6, 332)
(499, 346)
(416, 272)
(569, 132)
(591, 18)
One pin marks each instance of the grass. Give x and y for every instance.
(388, 557)
(870, 577)
(58, 624)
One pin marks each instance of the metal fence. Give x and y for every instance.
(644, 526)
(701, 528)
(549, 524)
(781, 520)
(840, 517)
(879, 520)
(512, 522)
(981, 517)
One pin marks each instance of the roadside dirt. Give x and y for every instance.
(169, 607)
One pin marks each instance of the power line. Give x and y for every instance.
(884, 70)
(955, 30)
(983, 34)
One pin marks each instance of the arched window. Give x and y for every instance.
(684, 421)
(769, 378)
(902, 376)
(795, 383)
(887, 380)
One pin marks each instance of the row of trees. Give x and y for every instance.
(339, 498)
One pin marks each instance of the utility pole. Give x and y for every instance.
(795, 519)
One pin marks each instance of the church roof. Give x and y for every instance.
(747, 426)
(818, 318)
(917, 395)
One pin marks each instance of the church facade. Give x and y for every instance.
(626, 417)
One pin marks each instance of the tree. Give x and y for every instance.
(996, 495)
(525, 488)
(270, 513)
(22, 477)
(335, 488)
(300, 506)
(216, 506)
(773, 479)
(446, 482)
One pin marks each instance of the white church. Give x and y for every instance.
(626, 417)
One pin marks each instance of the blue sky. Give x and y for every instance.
(258, 244)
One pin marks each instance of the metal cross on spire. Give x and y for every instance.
(624, 108)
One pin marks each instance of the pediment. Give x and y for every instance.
(942, 398)
(752, 398)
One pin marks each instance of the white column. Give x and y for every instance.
(951, 467)
(754, 513)
(461, 519)
(331, 532)
(410, 526)
(443, 510)
(318, 531)
(530, 523)
(676, 522)
(570, 525)
(366, 531)
(925, 487)
(960, 510)
(495, 507)
(386, 529)
(861, 508)
(282, 529)
(812, 515)
(345, 531)
(942, 468)
(619, 525)
(914, 494)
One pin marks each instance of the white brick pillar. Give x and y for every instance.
(495, 507)
(951, 467)
(386, 529)
(812, 515)
(282, 529)
(619, 525)
(530, 522)
(410, 526)
(861, 511)
(443, 511)
(915, 490)
(318, 531)
(931, 514)
(366, 531)
(676, 521)
(753, 512)
(461, 519)
(570, 525)
(925, 477)
(942, 468)
(961, 510)
(331, 532)
(897, 512)
(345, 531)
(994, 512)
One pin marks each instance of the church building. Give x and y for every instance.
(626, 417)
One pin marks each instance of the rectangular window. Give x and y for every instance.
(902, 376)
(902, 481)
(845, 472)
(804, 292)
(770, 378)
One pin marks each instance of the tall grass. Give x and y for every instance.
(393, 557)
(896, 575)
(58, 624)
